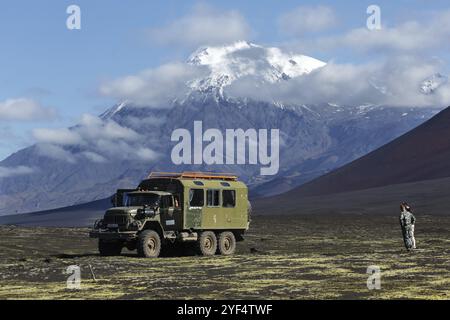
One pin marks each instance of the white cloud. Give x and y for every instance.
(413, 36)
(146, 154)
(396, 60)
(55, 152)
(94, 157)
(89, 129)
(99, 141)
(15, 171)
(92, 127)
(394, 82)
(23, 109)
(203, 26)
(62, 136)
(304, 19)
(153, 87)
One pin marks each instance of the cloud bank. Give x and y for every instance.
(395, 61)
(23, 109)
(395, 82)
(6, 172)
(204, 25)
(154, 87)
(409, 37)
(307, 19)
(93, 139)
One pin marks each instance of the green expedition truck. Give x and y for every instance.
(209, 210)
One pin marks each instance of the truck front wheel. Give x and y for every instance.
(207, 243)
(149, 244)
(109, 248)
(227, 243)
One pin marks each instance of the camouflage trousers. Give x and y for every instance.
(412, 236)
(408, 237)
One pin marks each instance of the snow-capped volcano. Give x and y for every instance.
(244, 59)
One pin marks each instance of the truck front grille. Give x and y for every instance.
(120, 220)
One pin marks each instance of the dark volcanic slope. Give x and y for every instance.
(421, 154)
(426, 197)
(81, 215)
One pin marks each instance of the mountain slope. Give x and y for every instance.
(421, 154)
(82, 215)
(415, 167)
(428, 197)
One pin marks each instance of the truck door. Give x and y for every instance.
(194, 208)
(167, 212)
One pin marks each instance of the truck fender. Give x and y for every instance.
(154, 225)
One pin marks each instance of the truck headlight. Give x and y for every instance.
(149, 212)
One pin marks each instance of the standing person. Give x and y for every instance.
(407, 221)
(413, 224)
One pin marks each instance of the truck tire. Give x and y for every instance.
(109, 248)
(207, 243)
(149, 244)
(227, 243)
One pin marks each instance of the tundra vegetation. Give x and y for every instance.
(283, 257)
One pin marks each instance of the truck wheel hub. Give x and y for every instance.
(151, 244)
(227, 244)
(208, 243)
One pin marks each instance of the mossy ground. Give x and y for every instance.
(301, 257)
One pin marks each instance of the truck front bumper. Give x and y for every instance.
(112, 235)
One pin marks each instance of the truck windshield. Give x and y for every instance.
(138, 200)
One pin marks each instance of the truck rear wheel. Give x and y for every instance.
(109, 248)
(227, 243)
(207, 243)
(149, 244)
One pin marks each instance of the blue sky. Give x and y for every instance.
(41, 60)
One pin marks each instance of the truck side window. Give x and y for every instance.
(212, 197)
(176, 200)
(167, 202)
(229, 198)
(196, 197)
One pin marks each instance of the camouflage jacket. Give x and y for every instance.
(407, 219)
